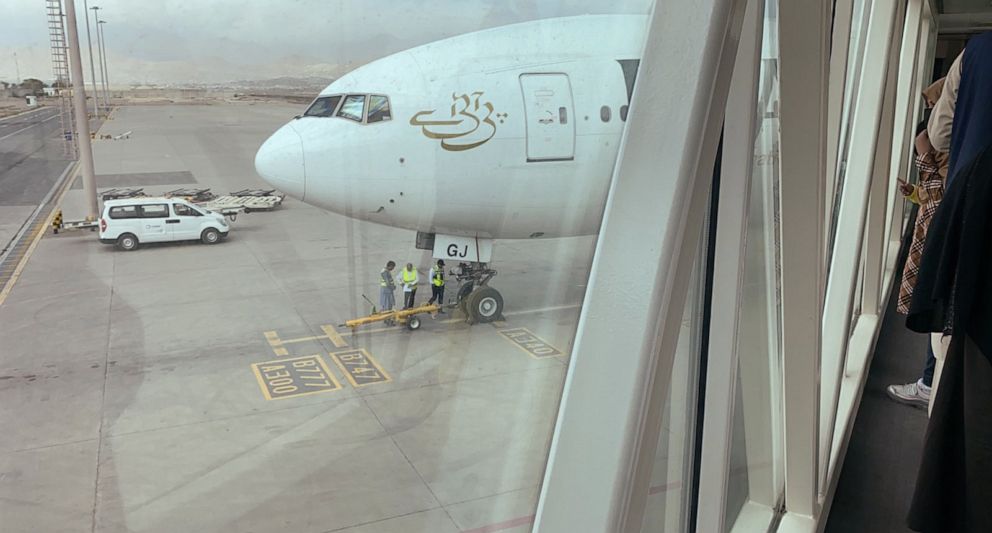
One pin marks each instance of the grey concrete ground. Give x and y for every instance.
(31, 159)
(131, 401)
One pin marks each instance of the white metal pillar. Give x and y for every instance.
(912, 81)
(79, 109)
(851, 217)
(99, 51)
(840, 45)
(106, 69)
(728, 273)
(604, 440)
(804, 27)
(881, 175)
(89, 43)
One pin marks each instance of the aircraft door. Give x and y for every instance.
(550, 117)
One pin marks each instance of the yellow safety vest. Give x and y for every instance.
(409, 276)
(438, 276)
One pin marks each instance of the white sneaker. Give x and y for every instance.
(916, 394)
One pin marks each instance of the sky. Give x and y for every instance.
(216, 41)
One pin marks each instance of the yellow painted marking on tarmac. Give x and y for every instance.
(276, 344)
(334, 336)
(360, 365)
(295, 377)
(530, 343)
(330, 333)
(39, 232)
(304, 339)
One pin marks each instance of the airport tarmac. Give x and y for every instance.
(185, 387)
(31, 160)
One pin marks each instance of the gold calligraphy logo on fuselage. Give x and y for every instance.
(468, 126)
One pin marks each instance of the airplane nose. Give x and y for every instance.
(280, 162)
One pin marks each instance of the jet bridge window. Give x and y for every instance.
(378, 109)
(353, 107)
(323, 106)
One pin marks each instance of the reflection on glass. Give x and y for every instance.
(221, 388)
(323, 106)
(353, 107)
(856, 50)
(671, 475)
(755, 481)
(378, 109)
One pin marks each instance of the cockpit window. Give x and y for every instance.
(353, 107)
(323, 106)
(378, 109)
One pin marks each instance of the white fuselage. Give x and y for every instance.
(511, 132)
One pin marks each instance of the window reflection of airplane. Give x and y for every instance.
(506, 133)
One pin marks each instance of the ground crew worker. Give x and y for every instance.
(408, 277)
(437, 284)
(387, 288)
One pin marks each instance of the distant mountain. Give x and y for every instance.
(307, 84)
(285, 82)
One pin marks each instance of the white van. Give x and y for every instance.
(132, 221)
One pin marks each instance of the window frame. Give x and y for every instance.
(361, 119)
(613, 495)
(195, 212)
(389, 106)
(135, 214)
(334, 111)
(141, 210)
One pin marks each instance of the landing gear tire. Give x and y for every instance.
(485, 305)
(413, 323)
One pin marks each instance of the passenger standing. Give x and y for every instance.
(408, 277)
(932, 165)
(437, 284)
(953, 297)
(387, 288)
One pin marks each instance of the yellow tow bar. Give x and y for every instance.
(401, 316)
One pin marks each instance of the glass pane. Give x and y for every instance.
(154, 211)
(262, 383)
(378, 109)
(856, 52)
(671, 476)
(323, 106)
(353, 107)
(755, 484)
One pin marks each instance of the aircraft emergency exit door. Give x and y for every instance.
(550, 119)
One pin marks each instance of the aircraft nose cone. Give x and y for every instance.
(280, 162)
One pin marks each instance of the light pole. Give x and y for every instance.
(79, 110)
(89, 42)
(99, 49)
(18, 67)
(106, 70)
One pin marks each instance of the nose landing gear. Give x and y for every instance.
(480, 302)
